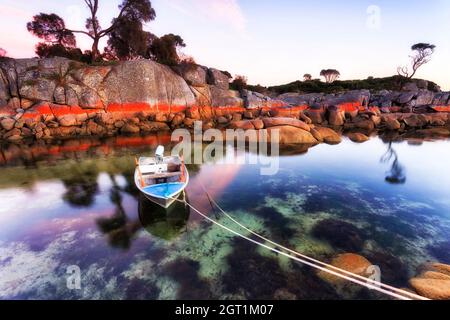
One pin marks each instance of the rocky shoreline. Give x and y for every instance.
(58, 98)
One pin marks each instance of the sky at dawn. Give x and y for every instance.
(271, 42)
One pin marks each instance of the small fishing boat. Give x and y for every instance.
(161, 179)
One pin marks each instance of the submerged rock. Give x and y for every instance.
(339, 234)
(433, 282)
(436, 289)
(350, 262)
(441, 251)
(393, 270)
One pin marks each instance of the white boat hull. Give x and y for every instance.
(163, 201)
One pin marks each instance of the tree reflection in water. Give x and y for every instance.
(81, 189)
(118, 228)
(396, 175)
(163, 223)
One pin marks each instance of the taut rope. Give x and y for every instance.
(368, 283)
(404, 292)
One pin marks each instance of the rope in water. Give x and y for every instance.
(329, 266)
(365, 284)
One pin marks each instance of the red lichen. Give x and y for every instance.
(350, 107)
(441, 108)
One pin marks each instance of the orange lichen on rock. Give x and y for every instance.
(441, 108)
(223, 111)
(288, 111)
(62, 110)
(350, 107)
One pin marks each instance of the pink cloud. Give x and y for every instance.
(225, 11)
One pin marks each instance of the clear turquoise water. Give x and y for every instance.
(81, 208)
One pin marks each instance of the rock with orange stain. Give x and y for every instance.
(441, 108)
(202, 95)
(357, 137)
(258, 124)
(349, 262)
(279, 121)
(329, 135)
(283, 111)
(244, 124)
(290, 135)
(316, 115)
(433, 281)
(336, 117)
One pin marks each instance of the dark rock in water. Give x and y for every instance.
(339, 234)
(185, 272)
(139, 289)
(259, 277)
(276, 223)
(393, 271)
(440, 251)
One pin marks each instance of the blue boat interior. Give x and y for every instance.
(164, 190)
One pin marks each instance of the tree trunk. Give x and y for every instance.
(95, 52)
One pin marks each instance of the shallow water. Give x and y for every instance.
(74, 204)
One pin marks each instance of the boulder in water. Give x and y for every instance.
(350, 262)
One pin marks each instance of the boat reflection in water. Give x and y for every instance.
(163, 223)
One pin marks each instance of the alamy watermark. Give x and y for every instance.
(258, 147)
(73, 280)
(373, 21)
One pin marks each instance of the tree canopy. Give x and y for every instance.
(239, 83)
(132, 13)
(129, 41)
(422, 53)
(330, 75)
(164, 49)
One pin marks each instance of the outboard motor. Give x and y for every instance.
(159, 154)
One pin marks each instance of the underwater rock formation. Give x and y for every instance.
(433, 282)
(440, 251)
(350, 262)
(393, 271)
(340, 234)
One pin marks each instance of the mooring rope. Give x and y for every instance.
(329, 266)
(362, 283)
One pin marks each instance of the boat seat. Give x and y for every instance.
(161, 175)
